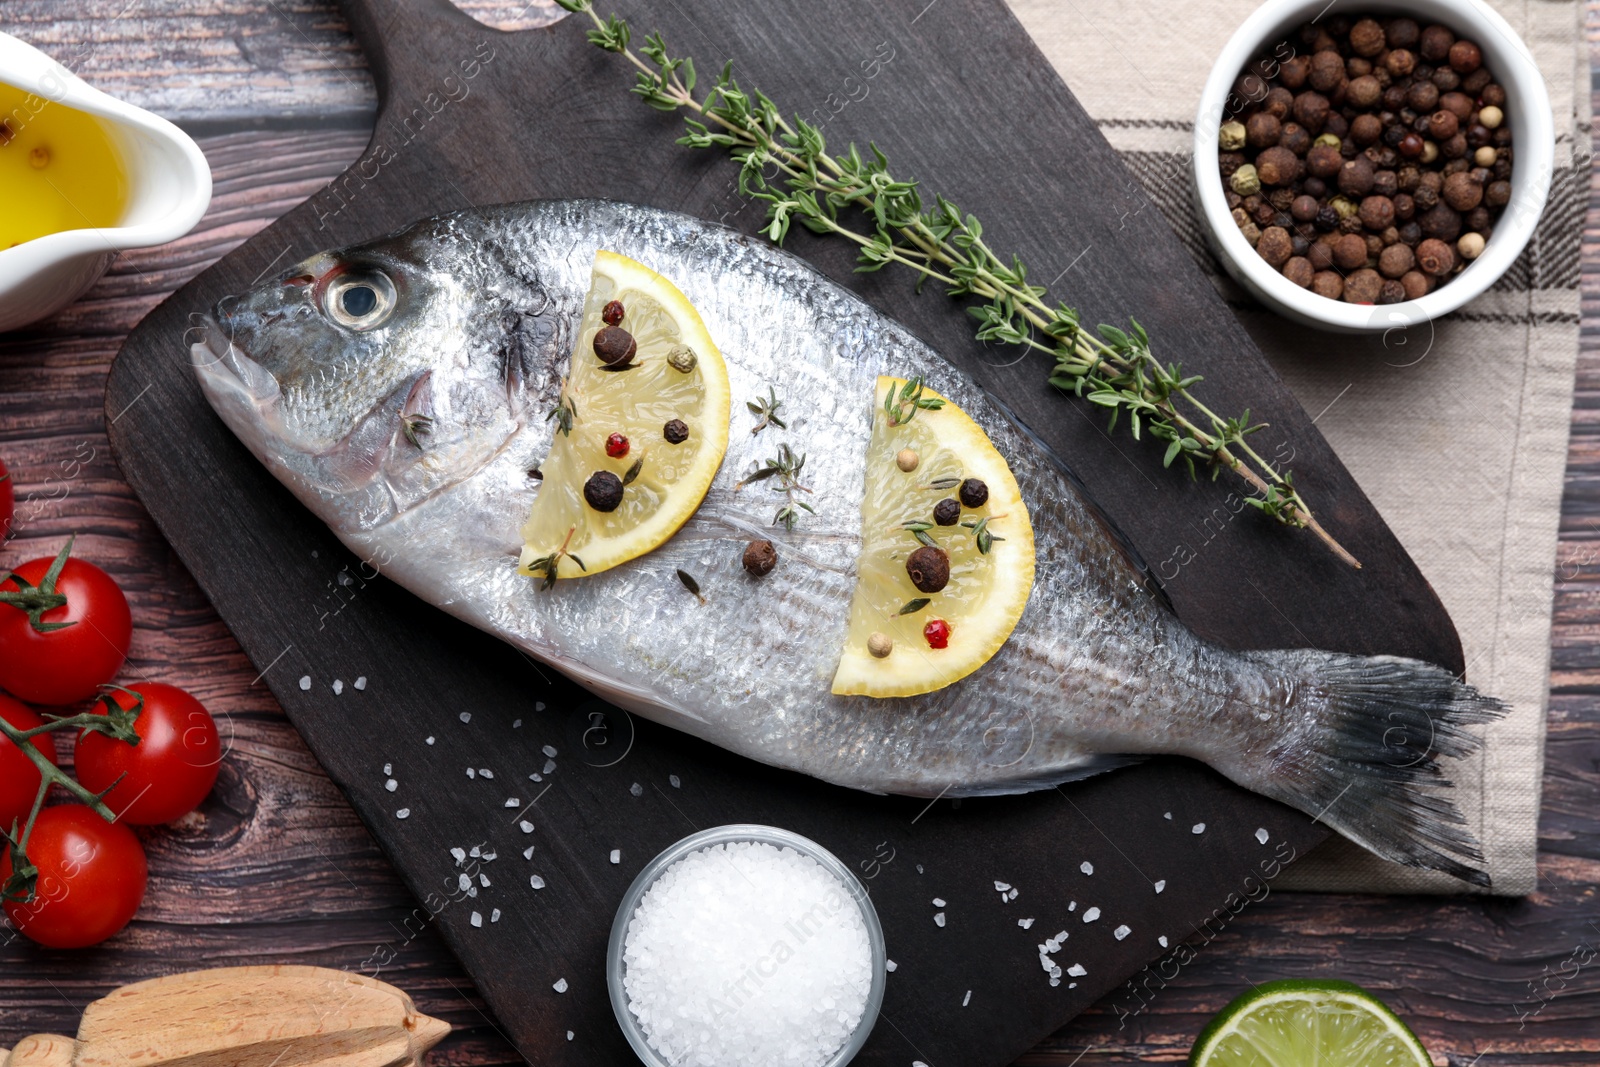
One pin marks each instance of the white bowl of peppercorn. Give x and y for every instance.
(1363, 171)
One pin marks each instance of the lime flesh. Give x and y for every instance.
(1306, 1023)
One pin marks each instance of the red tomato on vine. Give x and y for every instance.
(172, 768)
(64, 630)
(91, 878)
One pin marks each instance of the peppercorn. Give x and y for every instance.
(1484, 156)
(1327, 71)
(880, 645)
(947, 512)
(1426, 197)
(1395, 260)
(1422, 97)
(1385, 183)
(1410, 233)
(1404, 206)
(1455, 147)
(1336, 124)
(1392, 292)
(1471, 245)
(1458, 104)
(1389, 236)
(1362, 287)
(1228, 164)
(1435, 257)
(1264, 214)
(1410, 145)
(906, 460)
(1461, 192)
(1299, 243)
(1377, 212)
(1446, 79)
(1278, 102)
(973, 493)
(1435, 42)
(1310, 110)
(617, 446)
(1492, 95)
(1441, 222)
(1355, 177)
(1374, 246)
(1401, 33)
(1350, 252)
(1274, 246)
(1304, 208)
(1400, 62)
(1497, 193)
(1314, 187)
(759, 558)
(1366, 38)
(937, 634)
(603, 491)
(929, 568)
(612, 313)
(682, 359)
(1465, 57)
(676, 432)
(1245, 182)
(1357, 67)
(1320, 256)
(615, 346)
(1328, 283)
(1491, 116)
(1298, 270)
(1365, 129)
(1363, 92)
(1477, 221)
(1295, 138)
(1293, 72)
(1416, 284)
(1443, 124)
(1278, 166)
(1327, 219)
(1231, 136)
(1324, 160)
(1261, 130)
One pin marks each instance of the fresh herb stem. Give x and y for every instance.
(1111, 367)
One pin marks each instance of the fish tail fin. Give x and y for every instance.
(1363, 755)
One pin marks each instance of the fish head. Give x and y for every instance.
(370, 378)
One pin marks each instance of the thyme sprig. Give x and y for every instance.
(767, 411)
(785, 468)
(549, 565)
(117, 723)
(564, 413)
(787, 167)
(903, 408)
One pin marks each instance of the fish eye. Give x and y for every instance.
(361, 300)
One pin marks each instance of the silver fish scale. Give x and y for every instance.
(1095, 665)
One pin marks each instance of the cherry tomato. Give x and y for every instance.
(172, 768)
(70, 664)
(8, 499)
(92, 877)
(19, 776)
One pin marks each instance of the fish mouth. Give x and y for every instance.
(226, 370)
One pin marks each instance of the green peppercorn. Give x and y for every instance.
(682, 358)
(1245, 181)
(1230, 138)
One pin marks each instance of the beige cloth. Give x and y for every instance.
(1459, 435)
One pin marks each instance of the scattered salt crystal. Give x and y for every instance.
(477, 919)
(1054, 981)
(484, 772)
(516, 724)
(1162, 940)
(570, 1035)
(674, 781)
(1012, 895)
(1061, 935)
(938, 919)
(549, 750)
(525, 826)
(938, 902)
(1198, 828)
(918, 1063)
(1077, 970)
(535, 777)
(490, 857)
(536, 882)
(464, 882)
(1026, 924)
(1166, 815)
(1052, 945)
(391, 785)
(483, 880)
(890, 965)
(549, 766)
(1091, 915)
(1072, 985)
(560, 986)
(1121, 932)
(513, 802)
(700, 929)
(966, 999)
(466, 716)
(430, 739)
(338, 687)
(538, 705)
(388, 768)
(477, 850)
(460, 854)
(527, 853)
(1161, 886)
(471, 773)
(494, 916)
(305, 683)
(361, 683)
(919, 868)
(1262, 835)
(636, 789)
(616, 855)
(1001, 887)
(1086, 867)
(403, 813)
(1073, 906)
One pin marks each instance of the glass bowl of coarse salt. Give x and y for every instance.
(746, 946)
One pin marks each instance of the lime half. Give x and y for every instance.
(1303, 1022)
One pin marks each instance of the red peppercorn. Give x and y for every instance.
(938, 633)
(616, 446)
(612, 313)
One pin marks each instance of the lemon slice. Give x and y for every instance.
(986, 591)
(1301, 1021)
(648, 431)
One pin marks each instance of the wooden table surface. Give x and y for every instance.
(275, 868)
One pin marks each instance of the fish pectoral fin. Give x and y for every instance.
(1088, 767)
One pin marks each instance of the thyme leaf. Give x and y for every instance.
(911, 607)
(767, 410)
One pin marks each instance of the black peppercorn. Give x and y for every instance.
(603, 491)
(1327, 219)
(929, 569)
(615, 346)
(612, 313)
(973, 493)
(759, 558)
(676, 432)
(947, 512)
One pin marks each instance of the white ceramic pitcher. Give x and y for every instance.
(169, 187)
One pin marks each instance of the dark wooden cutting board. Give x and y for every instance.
(956, 93)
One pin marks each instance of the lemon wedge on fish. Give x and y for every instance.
(946, 549)
(641, 427)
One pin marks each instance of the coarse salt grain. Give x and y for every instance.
(1077, 970)
(549, 750)
(305, 683)
(460, 854)
(674, 781)
(477, 919)
(560, 986)
(549, 766)
(1091, 915)
(890, 966)
(1161, 886)
(1262, 835)
(527, 853)
(1198, 828)
(570, 1035)
(536, 882)
(938, 902)
(338, 687)
(1166, 815)
(388, 768)
(513, 802)
(494, 916)
(1025, 923)
(966, 999)
(778, 934)
(391, 785)
(361, 683)
(525, 826)
(471, 773)
(430, 739)
(938, 919)
(466, 716)
(403, 813)
(636, 789)
(1121, 932)
(1162, 940)
(484, 772)
(516, 724)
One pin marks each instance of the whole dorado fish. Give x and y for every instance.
(478, 314)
